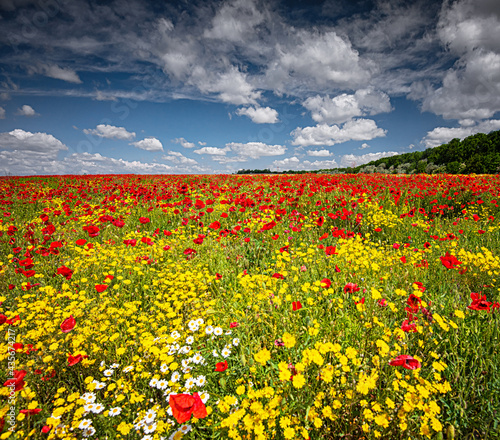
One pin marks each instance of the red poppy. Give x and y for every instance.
(403, 259)
(221, 366)
(92, 230)
(268, 226)
(351, 288)
(17, 346)
(66, 272)
(215, 225)
(331, 250)
(144, 220)
(296, 305)
(326, 283)
(405, 361)
(479, 302)
(449, 261)
(101, 287)
(185, 405)
(68, 324)
(408, 327)
(413, 302)
(30, 412)
(17, 381)
(46, 429)
(278, 276)
(73, 360)
(132, 242)
(233, 325)
(119, 223)
(81, 241)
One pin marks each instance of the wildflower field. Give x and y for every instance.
(250, 307)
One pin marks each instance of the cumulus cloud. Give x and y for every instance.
(319, 153)
(294, 163)
(148, 144)
(110, 132)
(344, 107)
(470, 30)
(176, 157)
(26, 110)
(54, 71)
(259, 115)
(254, 150)
(213, 151)
(2, 113)
(183, 142)
(443, 135)
(324, 134)
(21, 140)
(352, 160)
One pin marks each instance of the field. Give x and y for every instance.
(250, 307)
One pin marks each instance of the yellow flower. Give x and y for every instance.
(289, 433)
(289, 340)
(298, 380)
(262, 356)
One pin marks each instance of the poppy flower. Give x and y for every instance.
(215, 225)
(92, 230)
(66, 272)
(101, 287)
(479, 302)
(73, 360)
(449, 261)
(326, 283)
(221, 366)
(331, 250)
(17, 381)
(185, 405)
(144, 220)
(408, 327)
(80, 242)
(351, 288)
(46, 429)
(296, 305)
(405, 361)
(233, 325)
(30, 412)
(68, 324)
(268, 226)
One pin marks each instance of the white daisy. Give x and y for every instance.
(214, 353)
(189, 340)
(88, 397)
(226, 352)
(218, 331)
(197, 358)
(89, 407)
(164, 368)
(229, 332)
(88, 432)
(108, 373)
(200, 321)
(162, 384)
(150, 416)
(114, 411)
(204, 397)
(185, 362)
(175, 334)
(190, 383)
(209, 329)
(175, 376)
(201, 381)
(153, 382)
(185, 349)
(128, 369)
(185, 429)
(85, 423)
(236, 342)
(98, 408)
(114, 365)
(99, 385)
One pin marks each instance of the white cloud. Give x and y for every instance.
(202, 143)
(255, 150)
(443, 135)
(323, 134)
(110, 132)
(259, 115)
(26, 141)
(213, 151)
(470, 30)
(315, 60)
(234, 21)
(364, 145)
(344, 107)
(148, 144)
(293, 163)
(26, 110)
(54, 71)
(184, 143)
(176, 157)
(2, 113)
(351, 160)
(319, 153)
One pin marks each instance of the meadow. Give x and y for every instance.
(250, 307)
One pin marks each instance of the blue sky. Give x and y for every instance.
(217, 86)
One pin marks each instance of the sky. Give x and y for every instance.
(175, 87)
